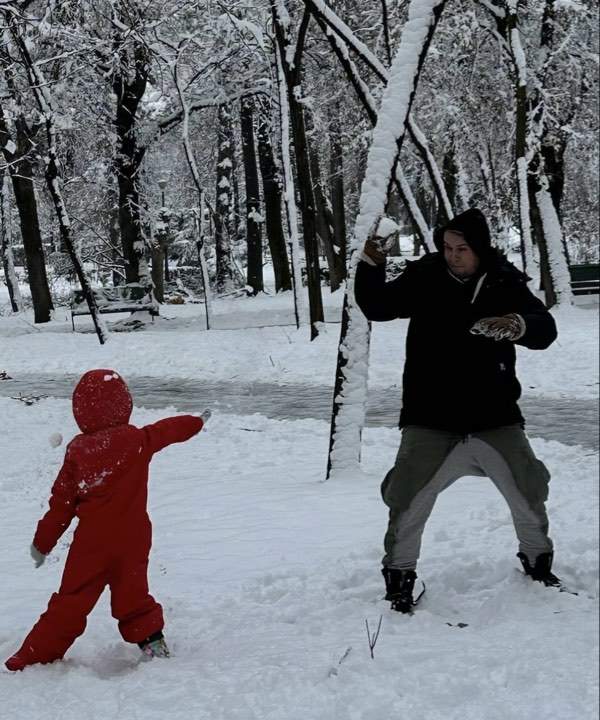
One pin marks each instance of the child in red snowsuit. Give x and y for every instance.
(103, 481)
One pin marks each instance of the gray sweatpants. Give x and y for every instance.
(429, 461)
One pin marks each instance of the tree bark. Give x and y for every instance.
(324, 217)
(6, 253)
(292, 74)
(338, 206)
(272, 193)
(17, 155)
(253, 231)
(157, 254)
(449, 173)
(223, 209)
(113, 231)
(129, 85)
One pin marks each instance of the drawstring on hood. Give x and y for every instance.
(101, 400)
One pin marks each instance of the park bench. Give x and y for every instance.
(118, 299)
(585, 279)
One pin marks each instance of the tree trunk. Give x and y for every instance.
(6, 253)
(112, 216)
(511, 31)
(129, 86)
(289, 209)
(253, 219)
(273, 199)
(19, 161)
(200, 245)
(349, 404)
(531, 176)
(324, 217)
(22, 180)
(223, 210)
(235, 219)
(338, 209)
(307, 199)
(157, 254)
(449, 176)
(308, 209)
(54, 180)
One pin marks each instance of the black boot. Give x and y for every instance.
(541, 570)
(399, 585)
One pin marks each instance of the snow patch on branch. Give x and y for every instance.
(392, 116)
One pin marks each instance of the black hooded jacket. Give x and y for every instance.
(454, 380)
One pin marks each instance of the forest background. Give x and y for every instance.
(140, 138)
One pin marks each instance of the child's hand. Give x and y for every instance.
(38, 557)
(205, 416)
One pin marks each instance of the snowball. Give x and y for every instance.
(55, 439)
(386, 227)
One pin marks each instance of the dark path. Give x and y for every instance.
(570, 421)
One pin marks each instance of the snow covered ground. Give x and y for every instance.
(255, 340)
(267, 574)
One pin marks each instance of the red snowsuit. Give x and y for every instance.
(103, 481)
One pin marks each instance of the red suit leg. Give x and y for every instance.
(138, 613)
(64, 621)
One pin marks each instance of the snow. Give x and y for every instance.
(267, 574)
(386, 227)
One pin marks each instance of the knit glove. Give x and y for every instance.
(205, 415)
(508, 327)
(38, 557)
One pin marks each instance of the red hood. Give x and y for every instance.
(101, 400)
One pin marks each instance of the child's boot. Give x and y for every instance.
(154, 646)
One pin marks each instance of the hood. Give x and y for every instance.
(473, 225)
(101, 400)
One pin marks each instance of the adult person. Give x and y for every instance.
(468, 307)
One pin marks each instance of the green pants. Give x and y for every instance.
(429, 461)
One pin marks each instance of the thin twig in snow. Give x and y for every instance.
(373, 639)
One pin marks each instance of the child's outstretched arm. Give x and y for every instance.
(173, 430)
(62, 504)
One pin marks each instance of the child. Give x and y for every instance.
(103, 481)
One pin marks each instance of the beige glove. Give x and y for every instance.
(508, 327)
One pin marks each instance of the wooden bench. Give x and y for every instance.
(585, 279)
(118, 299)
